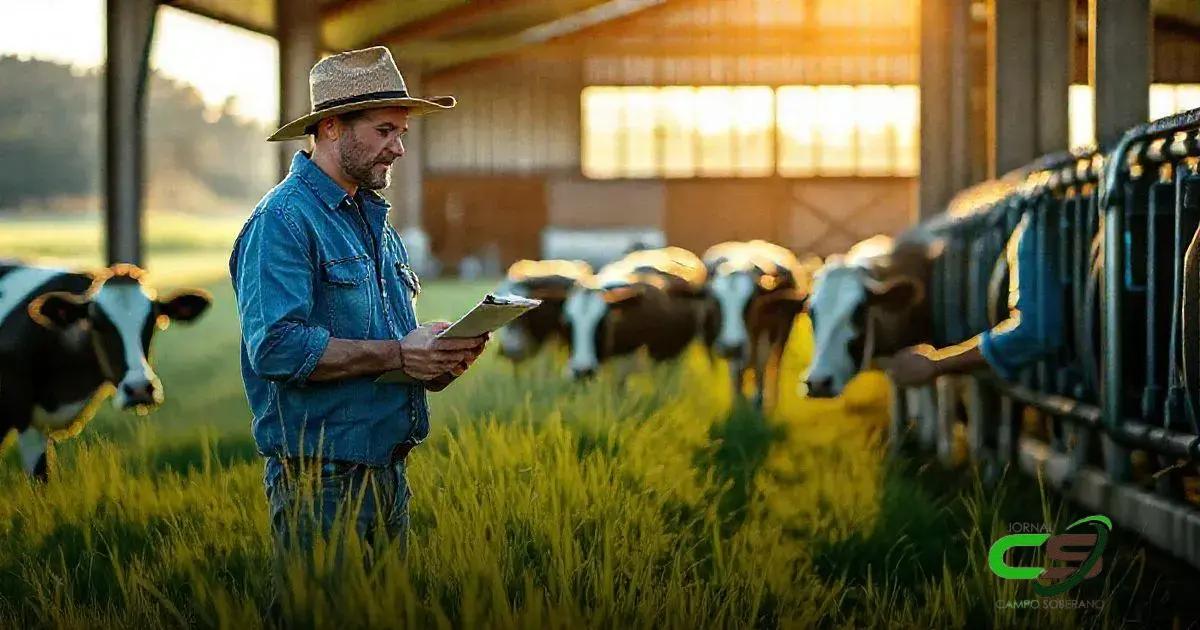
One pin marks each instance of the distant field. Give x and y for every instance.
(651, 501)
(180, 248)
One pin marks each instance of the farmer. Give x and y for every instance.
(1032, 331)
(325, 297)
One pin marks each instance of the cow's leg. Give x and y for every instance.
(762, 356)
(779, 341)
(927, 418)
(33, 444)
(946, 392)
(898, 424)
(737, 371)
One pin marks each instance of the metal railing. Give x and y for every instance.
(1122, 229)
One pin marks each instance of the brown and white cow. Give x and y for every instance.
(759, 288)
(652, 299)
(549, 281)
(68, 340)
(866, 305)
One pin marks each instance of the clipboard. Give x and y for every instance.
(489, 315)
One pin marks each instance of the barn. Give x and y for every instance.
(585, 125)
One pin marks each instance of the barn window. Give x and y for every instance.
(1165, 99)
(749, 131)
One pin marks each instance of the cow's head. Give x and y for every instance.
(733, 291)
(120, 314)
(840, 309)
(584, 311)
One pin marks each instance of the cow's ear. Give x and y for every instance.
(58, 309)
(621, 294)
(895, 293)
(185, 305)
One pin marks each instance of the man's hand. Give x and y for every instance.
(426, 357)
(913, 366)
(443, 381)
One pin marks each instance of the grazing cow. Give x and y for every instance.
(651, 299)
(869, 304)
(759, 288)
(549, 281)
(68, 340)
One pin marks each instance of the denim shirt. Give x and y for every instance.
(1034, 327)
(310, 265)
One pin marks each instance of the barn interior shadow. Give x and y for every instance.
(738, 448)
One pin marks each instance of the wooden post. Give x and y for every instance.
(1055, 43)
(945, 104)
(1119, 48)
(299, 44)
(129, 32)
(1012, 85)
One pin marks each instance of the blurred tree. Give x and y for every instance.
(50, 140)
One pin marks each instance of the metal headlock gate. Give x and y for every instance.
(1112, 418)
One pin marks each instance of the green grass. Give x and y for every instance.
(648, 501)
(656, 503)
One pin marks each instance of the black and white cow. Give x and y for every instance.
(759, 288)
(68, 339)
(549, 281)
(652, 299)
(864, 306)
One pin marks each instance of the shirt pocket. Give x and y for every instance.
(348, 294)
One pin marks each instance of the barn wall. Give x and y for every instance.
(471, 214)
(519, 117)
(506, 163)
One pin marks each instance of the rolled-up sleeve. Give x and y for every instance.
(274, 282)
(1033, 329)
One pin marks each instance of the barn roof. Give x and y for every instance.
(438, 33)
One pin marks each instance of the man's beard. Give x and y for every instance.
(359, 165)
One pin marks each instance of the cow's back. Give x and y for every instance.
(664, 323)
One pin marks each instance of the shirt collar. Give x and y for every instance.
(327, 190)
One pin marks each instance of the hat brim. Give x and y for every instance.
(295, 130)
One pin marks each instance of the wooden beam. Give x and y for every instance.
(220, 16)
(612, 11)
(447, 21)
(345, 6)
(688, 41)
(576, 22)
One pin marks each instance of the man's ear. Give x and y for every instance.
(58, 309)
(184, 305)
(896, 293)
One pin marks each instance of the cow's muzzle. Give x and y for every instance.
(138, 393)
(727, 350)
(581, 373)
(820, 388)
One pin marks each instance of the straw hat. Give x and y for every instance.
(354, 80)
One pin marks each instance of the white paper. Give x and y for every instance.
(489, 315)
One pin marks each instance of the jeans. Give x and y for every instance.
(310, 498)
